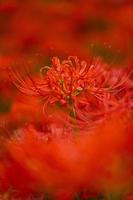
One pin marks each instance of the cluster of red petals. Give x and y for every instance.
(86, 91)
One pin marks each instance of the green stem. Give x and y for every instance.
(73, 116)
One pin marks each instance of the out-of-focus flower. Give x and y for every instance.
(70, 165)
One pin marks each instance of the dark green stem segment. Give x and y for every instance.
(73, 114)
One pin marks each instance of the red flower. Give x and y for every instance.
(63, 81)
(86, 91)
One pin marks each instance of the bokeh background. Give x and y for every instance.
(31, 32)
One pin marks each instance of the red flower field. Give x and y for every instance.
(66, 100)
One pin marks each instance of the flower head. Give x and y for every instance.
(63, 80)
(86, 91)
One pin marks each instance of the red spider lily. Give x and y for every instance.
(86, 91)
(63, 81)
